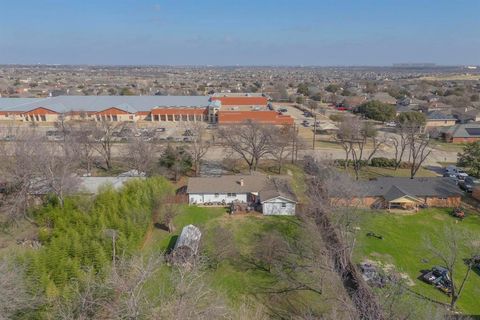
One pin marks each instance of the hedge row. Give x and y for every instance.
(379, 162)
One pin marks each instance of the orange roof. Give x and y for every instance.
(242, 101)
(40, 111)
(270, 117)
(112, 111)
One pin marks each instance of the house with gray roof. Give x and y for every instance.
(439, 119)
(272, 195)
(462, 133)
(406, 193)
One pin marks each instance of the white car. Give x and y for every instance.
(391, 124)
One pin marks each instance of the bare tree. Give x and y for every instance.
(250, 140)
(56, 165)
(281, 144)
(128, 280)
(103, 134)
(141, 155)
(87, 299)
(83, 144)
(355, 136)
(400, 143)
(419, 151)
(449, 253)
(19, 168)
(14, 293)
(199, 145)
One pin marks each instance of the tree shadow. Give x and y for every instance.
(171, 244)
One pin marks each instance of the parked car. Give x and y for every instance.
(283, 110)
(467, 184)
(308, 114)
(391, 124)
(440, 278)
(461, 174)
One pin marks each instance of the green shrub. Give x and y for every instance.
(74, 238)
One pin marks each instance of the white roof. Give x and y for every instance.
(93, 184)
(98, 103)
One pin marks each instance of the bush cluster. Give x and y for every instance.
(75, 237)
(379, 162)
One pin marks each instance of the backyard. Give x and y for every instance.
(233, 267)
(403, 246)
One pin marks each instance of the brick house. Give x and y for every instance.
(462, 133)
(406, 193)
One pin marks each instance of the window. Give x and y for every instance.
(177, 117)
(155, 117)
(231, 194)
(284, 205)
(115, 118)
(43, 118)
(130, 117)
(163, 117)
(37, 118)
(191, 117)
(170, 117)
(199, 117)
(184, 117)
(216, 195)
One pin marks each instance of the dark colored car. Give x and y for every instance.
(440, 278)
(467, 184)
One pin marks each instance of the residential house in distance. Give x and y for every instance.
(384, 98)
(406, 193)
(439, 119)
(465, 115)
(462, 133)
(272, 195)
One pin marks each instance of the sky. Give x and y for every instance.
(240, 32)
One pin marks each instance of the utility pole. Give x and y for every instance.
(314, 130)
(293, 144)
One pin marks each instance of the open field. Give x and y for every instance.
(403, 245)
(453, 77)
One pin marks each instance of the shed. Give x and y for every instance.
(189, 238)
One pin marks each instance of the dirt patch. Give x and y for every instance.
(390, 269)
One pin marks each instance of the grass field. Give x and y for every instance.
(403, 245)
(239, 278)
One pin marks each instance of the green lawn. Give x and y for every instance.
(237, 277)
(403, 246)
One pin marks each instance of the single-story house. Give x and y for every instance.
(462, 133)
(406, 193)
(439, 119)
(272, 194)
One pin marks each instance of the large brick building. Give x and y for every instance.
(219, 109)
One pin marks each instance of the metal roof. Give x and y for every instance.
(435, 115)
(132, 104)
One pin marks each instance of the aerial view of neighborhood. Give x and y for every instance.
(218, 160)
